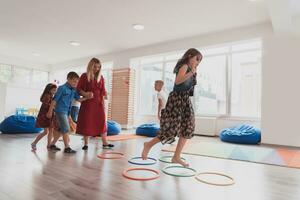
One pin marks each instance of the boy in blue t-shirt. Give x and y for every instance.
(61, 105)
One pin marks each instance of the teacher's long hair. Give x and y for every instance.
(89, 71)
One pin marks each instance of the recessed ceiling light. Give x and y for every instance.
(74, 43)
(35, 54)
(138, 27)
(253, 0)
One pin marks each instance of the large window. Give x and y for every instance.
(229, 80)
(107, 75)
(5, 73)
(210, 92)
(169, 76)
(149, 73)
(39, 78)
(150, 69)
(23, 77)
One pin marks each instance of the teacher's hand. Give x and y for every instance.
(90, 95)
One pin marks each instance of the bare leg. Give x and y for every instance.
(40, 136)
(103, 137)
(86, 140)
(56, 136)
(50, 136)
(66, 140)
(69, 139)
(177, 158)
(148, 146)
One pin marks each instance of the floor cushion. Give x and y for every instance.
(149, 130)
(242, 134)
(113, 128)
(19, 124)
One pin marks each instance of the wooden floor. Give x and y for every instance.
(46, 175)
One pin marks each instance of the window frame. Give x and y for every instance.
(228, 76)
(31, 84)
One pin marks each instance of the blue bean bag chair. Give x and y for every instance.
(19, 124)
(149, 130)
(113, 128)
(242, 134)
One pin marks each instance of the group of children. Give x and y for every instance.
(175, 113)
(55, 111)
(60, 106)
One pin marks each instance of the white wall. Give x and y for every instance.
(280, 91)
(22, 62)
(21, 97)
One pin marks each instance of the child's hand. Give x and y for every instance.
(194, 70)
(49, 115)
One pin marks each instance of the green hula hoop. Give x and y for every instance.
(165, 170)
(165, 159)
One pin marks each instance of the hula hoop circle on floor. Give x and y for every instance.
(113, 155)
(164, 159)
(212, 183)
(165, 170)
(126, 175)
(131, 161)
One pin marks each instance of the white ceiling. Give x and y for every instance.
(102, 26)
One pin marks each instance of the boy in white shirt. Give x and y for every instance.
(161, 96)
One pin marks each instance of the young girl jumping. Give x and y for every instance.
(177, 119)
